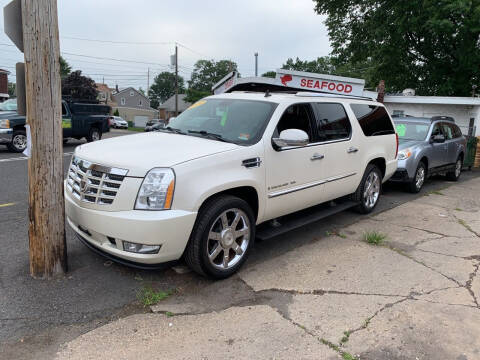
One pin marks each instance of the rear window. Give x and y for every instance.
(374, 120)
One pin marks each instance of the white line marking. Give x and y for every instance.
(26, 158)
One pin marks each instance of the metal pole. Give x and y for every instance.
(176, 80)
(256, 64)
(148, 80)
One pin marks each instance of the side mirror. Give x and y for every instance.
(291, 137)
(440, 138)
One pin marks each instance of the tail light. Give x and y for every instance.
(396, 151)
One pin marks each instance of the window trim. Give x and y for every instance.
(122, 101)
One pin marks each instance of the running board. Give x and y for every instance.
(296, 220)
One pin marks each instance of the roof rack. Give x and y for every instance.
(326, 94)
(442, 118)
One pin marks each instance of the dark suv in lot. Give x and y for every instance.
(428, 146)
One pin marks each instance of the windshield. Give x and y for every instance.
(411, 130)
(9, 105)
(238, 121)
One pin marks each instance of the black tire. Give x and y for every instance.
(455, 174)
(196, 252)
(19, 137)
(358, 195)
(413, 186)
(94, 134)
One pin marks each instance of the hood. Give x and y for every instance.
(404, 144)
(141, 152)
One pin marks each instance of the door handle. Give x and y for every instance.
(351, 150)
(317, 157)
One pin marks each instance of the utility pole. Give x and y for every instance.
(148, 80)
(176, 80)
(46, 232)
(256, 64)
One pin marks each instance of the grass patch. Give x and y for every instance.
(374, 237)
(169, 314)
(465, 225)
(458, 209)
(139, 129)
(345, 355)
(434, 192)
(344, 339)
(149, 296)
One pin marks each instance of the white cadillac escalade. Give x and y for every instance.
(201, 187)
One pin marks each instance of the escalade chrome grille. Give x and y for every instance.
(93, 183)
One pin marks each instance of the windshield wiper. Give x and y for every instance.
(209, 134)
(170, 129)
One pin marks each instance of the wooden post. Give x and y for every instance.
(44, 116)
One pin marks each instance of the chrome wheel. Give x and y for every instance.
(371, 190)
(19, 141)
(420, 177)
(228, 239)
(458, 168)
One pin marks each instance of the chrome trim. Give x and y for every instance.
(252, 163)
(101, 168)
(308, 186)
(317, 157)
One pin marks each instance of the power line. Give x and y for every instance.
(120, 42)
(113, 59)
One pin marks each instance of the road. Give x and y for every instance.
(36, 316)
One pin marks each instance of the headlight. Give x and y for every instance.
(5, 124)
(156, 192)
(404, 154)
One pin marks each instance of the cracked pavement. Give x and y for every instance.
(416, 296)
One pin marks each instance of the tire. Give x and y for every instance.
(211, 237)
(363, 194)
(455, 174)
(94, 134)
(19, 141)
(419, 179)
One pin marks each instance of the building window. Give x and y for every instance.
(140, 103)
(132, 93)
(398, 112)
(122, 101)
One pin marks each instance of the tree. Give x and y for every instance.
(11, 89)
(270, 74)
(322, 65)
(428, 45)
(65, 68)
(78, 86)
(207, 73)
(141, 91)
(116, 113)
(163, 87)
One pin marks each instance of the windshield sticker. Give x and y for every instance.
(401, 130)
(244, 136)
(224, 118)
(197, 104)
(66, 123)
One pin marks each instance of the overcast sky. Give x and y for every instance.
(210, 29)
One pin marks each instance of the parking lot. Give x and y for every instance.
(321, 290)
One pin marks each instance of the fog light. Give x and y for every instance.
(140, 248)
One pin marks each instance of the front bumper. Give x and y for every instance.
(405, 171)
(106, 231)
(6, 136)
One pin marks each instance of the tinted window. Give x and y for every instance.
(456, 131)
(374, 120)
(296, 116)
(437, 130)
(332, 122)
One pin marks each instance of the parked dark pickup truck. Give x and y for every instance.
(79, 120)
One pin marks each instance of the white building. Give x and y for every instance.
(465, 110)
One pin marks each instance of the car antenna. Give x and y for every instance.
(267, 93)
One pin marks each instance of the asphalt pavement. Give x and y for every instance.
(36, 316)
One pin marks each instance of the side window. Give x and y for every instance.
(456, 131)
(437, 130)
(332, 122)
(64, 110)
(447, 130)
(298, 116)
(374, 120)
